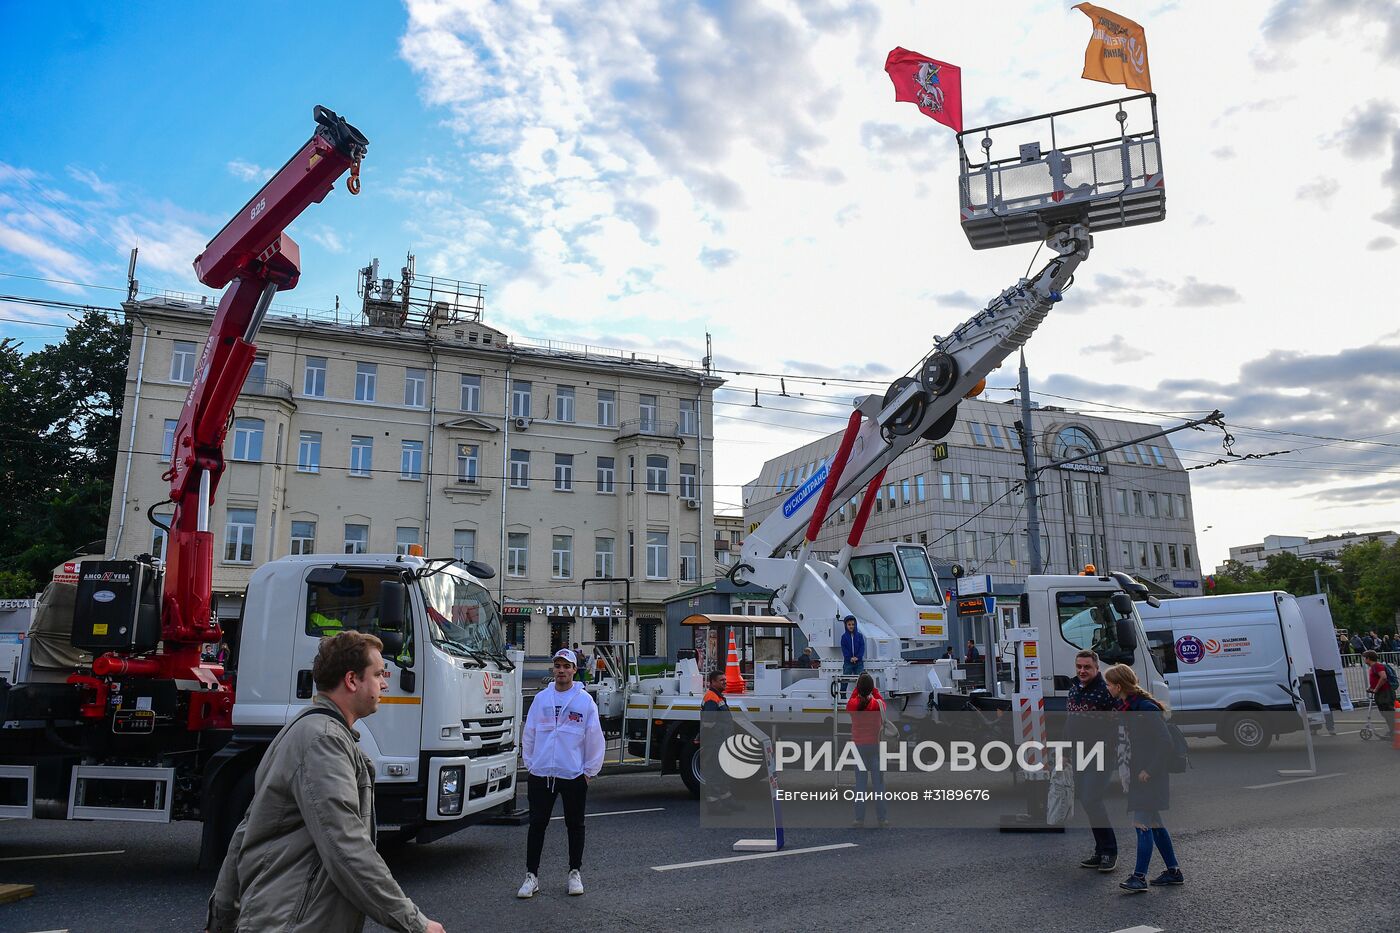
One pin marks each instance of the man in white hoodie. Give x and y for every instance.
(563, 746)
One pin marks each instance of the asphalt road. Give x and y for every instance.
(1263, 855)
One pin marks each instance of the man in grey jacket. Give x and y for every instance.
(303, 858)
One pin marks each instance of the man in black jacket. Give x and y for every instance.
(1089, 697)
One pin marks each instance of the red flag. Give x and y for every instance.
(935, 86)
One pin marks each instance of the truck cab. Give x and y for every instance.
(442, 743)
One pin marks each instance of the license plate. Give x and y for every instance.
(498, 772)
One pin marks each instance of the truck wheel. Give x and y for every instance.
(691, 772)
(1246, 731)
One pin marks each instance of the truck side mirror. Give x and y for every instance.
(480, 569)
(393, 643)
(392, 595)
(1127, 634)
(1122, 604)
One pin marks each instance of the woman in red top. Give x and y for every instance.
(1378, 685)
(867, 709)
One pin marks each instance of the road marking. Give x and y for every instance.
(28, 858)
(617, 812)
(746, 858)
(1316, 777)
(1139, 929)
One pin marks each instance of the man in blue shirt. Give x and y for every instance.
(852, 648)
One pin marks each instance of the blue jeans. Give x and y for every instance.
(852, 667)
(1150, 831)
(870, 757)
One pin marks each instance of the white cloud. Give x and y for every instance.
(247, 171)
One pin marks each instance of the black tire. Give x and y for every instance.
(1246, 731)
(690, 765)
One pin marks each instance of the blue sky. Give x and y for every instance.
(635, 173)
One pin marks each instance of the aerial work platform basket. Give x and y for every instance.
(1031, 176)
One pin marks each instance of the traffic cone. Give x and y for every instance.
(733, 680)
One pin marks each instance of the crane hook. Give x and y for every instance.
(352, 184)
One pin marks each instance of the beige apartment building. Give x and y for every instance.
(411, 422)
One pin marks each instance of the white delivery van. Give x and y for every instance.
(1230, 661)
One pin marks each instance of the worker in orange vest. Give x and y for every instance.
(715, 726)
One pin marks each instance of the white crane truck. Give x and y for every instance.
(126, 712)
(891, 588)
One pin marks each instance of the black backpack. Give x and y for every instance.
(1180, 758)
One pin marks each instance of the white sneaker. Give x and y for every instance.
(531, 885)
(575, 882)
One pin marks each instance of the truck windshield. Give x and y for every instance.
(923, 585)
(462, 615)
(1087, 620)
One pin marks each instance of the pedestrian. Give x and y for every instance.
(1149, 790)
(948, 654)
(716, 725)
(809, 658)
(1088, 719)
(562, 745)
(852, 648)
(303, 858)
(867, 709)
(583, 667)
(1380, 683)
(972, 656)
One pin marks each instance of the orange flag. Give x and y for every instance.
(1117, 52)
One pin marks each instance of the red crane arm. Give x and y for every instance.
(253, 254)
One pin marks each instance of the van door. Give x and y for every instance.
(353, 604)
(1161, 646)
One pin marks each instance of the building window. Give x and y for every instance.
(1128, 454)
(658, 554)
(1172, 561)
(361, 456)
(520, 399)
(309, 452)
(978, 437)
(167, 440)
(1142, 455)
(1137, 502)
(1181, 508)
(690, 482)
(520, 469)
(1186, 556)
(607, 408)
(947, 482)
(303, 537)
(182, 362)
(366, 381)
(1142, 555)
(1167, 505)
(238, 536)
(1156, 555)
(468, 456)
(994, 432)
(1156, 455)
(356, 539)
(965, 486)
(257, 374)
(603, 557)
(919, 488)
(904, 491)
(562, 557)
(605, 475)
(647, 405)
(893, 499)
(158, 535)
(564, 404)
(987, 494)
(782, 480)
(247, 438)
(1075, 442)
(471, 393)
(969, 549)
(1080, 497)
(517, 554)
(411, 460)
(1151, 505)
(1120, 498)
(563, 472)
(690, 562)
(415, 388)
(658, 469)
(313, 383)
(405, 537)
(464, 544)
(690, 416)
(647, 643)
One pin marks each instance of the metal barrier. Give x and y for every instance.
(1355, 671)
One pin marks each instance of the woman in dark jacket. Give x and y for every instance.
(1149, 793)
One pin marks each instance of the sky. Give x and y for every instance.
(639, 174)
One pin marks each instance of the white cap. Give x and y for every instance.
(568, 655)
